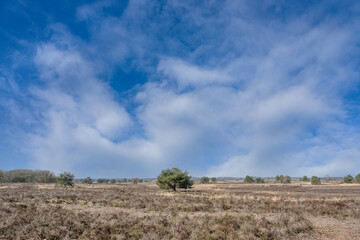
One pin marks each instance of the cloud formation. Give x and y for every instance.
(231, 90)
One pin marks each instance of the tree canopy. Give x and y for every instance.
(174, 178)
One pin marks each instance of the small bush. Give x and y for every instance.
(66, 179)
(305, 179)
(259, 180)
(204, 180)
(213, 180)
(249, 179)
(87, 180)
(357, 178)
(315, 180)
(348, 179)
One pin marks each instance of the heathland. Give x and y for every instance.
(223, 210)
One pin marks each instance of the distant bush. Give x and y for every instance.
(136, 180)
(287, 179)
(66, 179)
(204, 180)
(102, 180)
(357, 178)
(26, 175)
(249, 179)
(279, 179)
(305, 179)
(213, 180)
(348, 179)
(87, 180)
(259, 180)
(315, 180)
(174, 178)
(282, 179)
(112, 180)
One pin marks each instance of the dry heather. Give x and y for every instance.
(218, 211)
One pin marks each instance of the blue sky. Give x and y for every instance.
(220, 88)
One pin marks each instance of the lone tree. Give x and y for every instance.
(66, 179)
(348, 179)
(249, 179)
(174, 178)
(315, 180)
(204, 180)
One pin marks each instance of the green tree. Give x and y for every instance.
(66, 179)
(259, 180)
(87, 180)
(204, 180)
(249, 179)
(287, 179)
(279, 179)
(315, 180)
(357, 178)
(305, 179)
(174, 178)
(348, 179)
(213, 180)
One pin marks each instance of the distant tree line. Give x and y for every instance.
(27, 176)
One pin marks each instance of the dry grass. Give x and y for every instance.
(227, 210)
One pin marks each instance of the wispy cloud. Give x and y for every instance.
(232, 89)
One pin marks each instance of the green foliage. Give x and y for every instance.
(174, 178)
(102, 180)
(348, 179)
(315, 180)
(279, 179)
(282, 179)
(213, 180)
(66, 179)
(249, 179)
(305, 179)
(136, 180)
(287, 179)
(204, 180)
(357, 178)
(112, 180)
(259, 180)
(26, 175)
(87, 180)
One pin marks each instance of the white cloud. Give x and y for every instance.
(257, 98)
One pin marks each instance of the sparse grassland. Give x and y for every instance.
(225, 210)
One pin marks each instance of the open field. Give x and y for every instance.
(226, 210)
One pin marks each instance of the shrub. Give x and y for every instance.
(173, 178)
(204, 180)
(348, 179)
(357, 178)
(259, 180)
(213, 180)
(249, 179)
(305, 179)
(136, 180)
(279, 179)
(315, 180)
(112, 180)
(287, 179)
(87, 180)
(66, 179)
